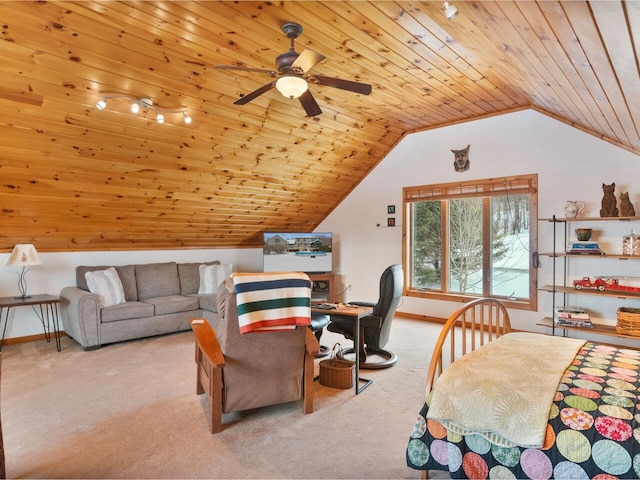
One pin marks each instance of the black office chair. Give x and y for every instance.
(374, 328)
(318, 322)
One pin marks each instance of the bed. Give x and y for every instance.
(592, 425)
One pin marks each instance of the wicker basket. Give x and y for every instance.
(628, 321)
(336, 373)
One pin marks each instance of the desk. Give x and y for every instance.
(353, 314)
(48, 313)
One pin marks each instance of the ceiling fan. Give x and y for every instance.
(291, 70)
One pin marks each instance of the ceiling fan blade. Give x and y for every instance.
(245, 69)
(306, 61)
(256, 93)
(356, 87)
(309, 104)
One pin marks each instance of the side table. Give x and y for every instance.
(353, 314)
(47, 313)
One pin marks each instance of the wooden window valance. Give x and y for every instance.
(521, 184)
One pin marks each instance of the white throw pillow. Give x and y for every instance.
(211, 276)
(107, 285)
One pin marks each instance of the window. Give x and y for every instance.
(472, 239)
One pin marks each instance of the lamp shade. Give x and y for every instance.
(291, 86)
(24, 255)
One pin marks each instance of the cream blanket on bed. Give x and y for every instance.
(504, 390)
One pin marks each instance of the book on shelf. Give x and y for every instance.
(584, 245)
(584, 248)
(585, 252)
(571, 316)
(574, 323)
(568, 312)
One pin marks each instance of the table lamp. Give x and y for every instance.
(23, 255)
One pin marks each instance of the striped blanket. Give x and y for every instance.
(272, 301)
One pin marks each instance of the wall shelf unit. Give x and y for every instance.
(562, 289)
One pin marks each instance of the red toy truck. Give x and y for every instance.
(601, 284)
(585, 282)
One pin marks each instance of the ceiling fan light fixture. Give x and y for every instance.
(135, 107)
(450, 11)
(291, 86)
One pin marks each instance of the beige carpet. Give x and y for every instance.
(130, 410)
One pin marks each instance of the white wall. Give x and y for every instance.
(571, 165)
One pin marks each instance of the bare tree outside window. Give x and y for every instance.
(465, 250)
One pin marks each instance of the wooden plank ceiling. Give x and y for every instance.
(77, 178)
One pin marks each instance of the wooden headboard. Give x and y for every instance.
(471, 326)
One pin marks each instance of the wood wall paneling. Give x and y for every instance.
(76, 178)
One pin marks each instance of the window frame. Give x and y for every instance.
(485, 188)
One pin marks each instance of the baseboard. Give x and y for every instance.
(416, 316)
(29, 338)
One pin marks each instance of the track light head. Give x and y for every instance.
(450, 11)
(101, 104)
(146, 102)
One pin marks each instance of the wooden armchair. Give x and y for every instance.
(244, 371)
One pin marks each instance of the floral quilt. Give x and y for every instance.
(593, 429)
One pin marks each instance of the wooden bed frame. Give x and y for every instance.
(471, 326)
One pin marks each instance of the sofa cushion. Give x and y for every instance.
(126, 311)
(127, 274)
(173, 304)
(189, 274)
(107, 285)
(157, 280)
(211, 276)
(207, 301)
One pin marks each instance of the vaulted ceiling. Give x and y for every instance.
(73, 177)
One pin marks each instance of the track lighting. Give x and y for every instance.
(450, 11)
(139, 103)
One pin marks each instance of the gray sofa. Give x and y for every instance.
(160, 298)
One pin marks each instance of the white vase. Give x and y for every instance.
(572, 208)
